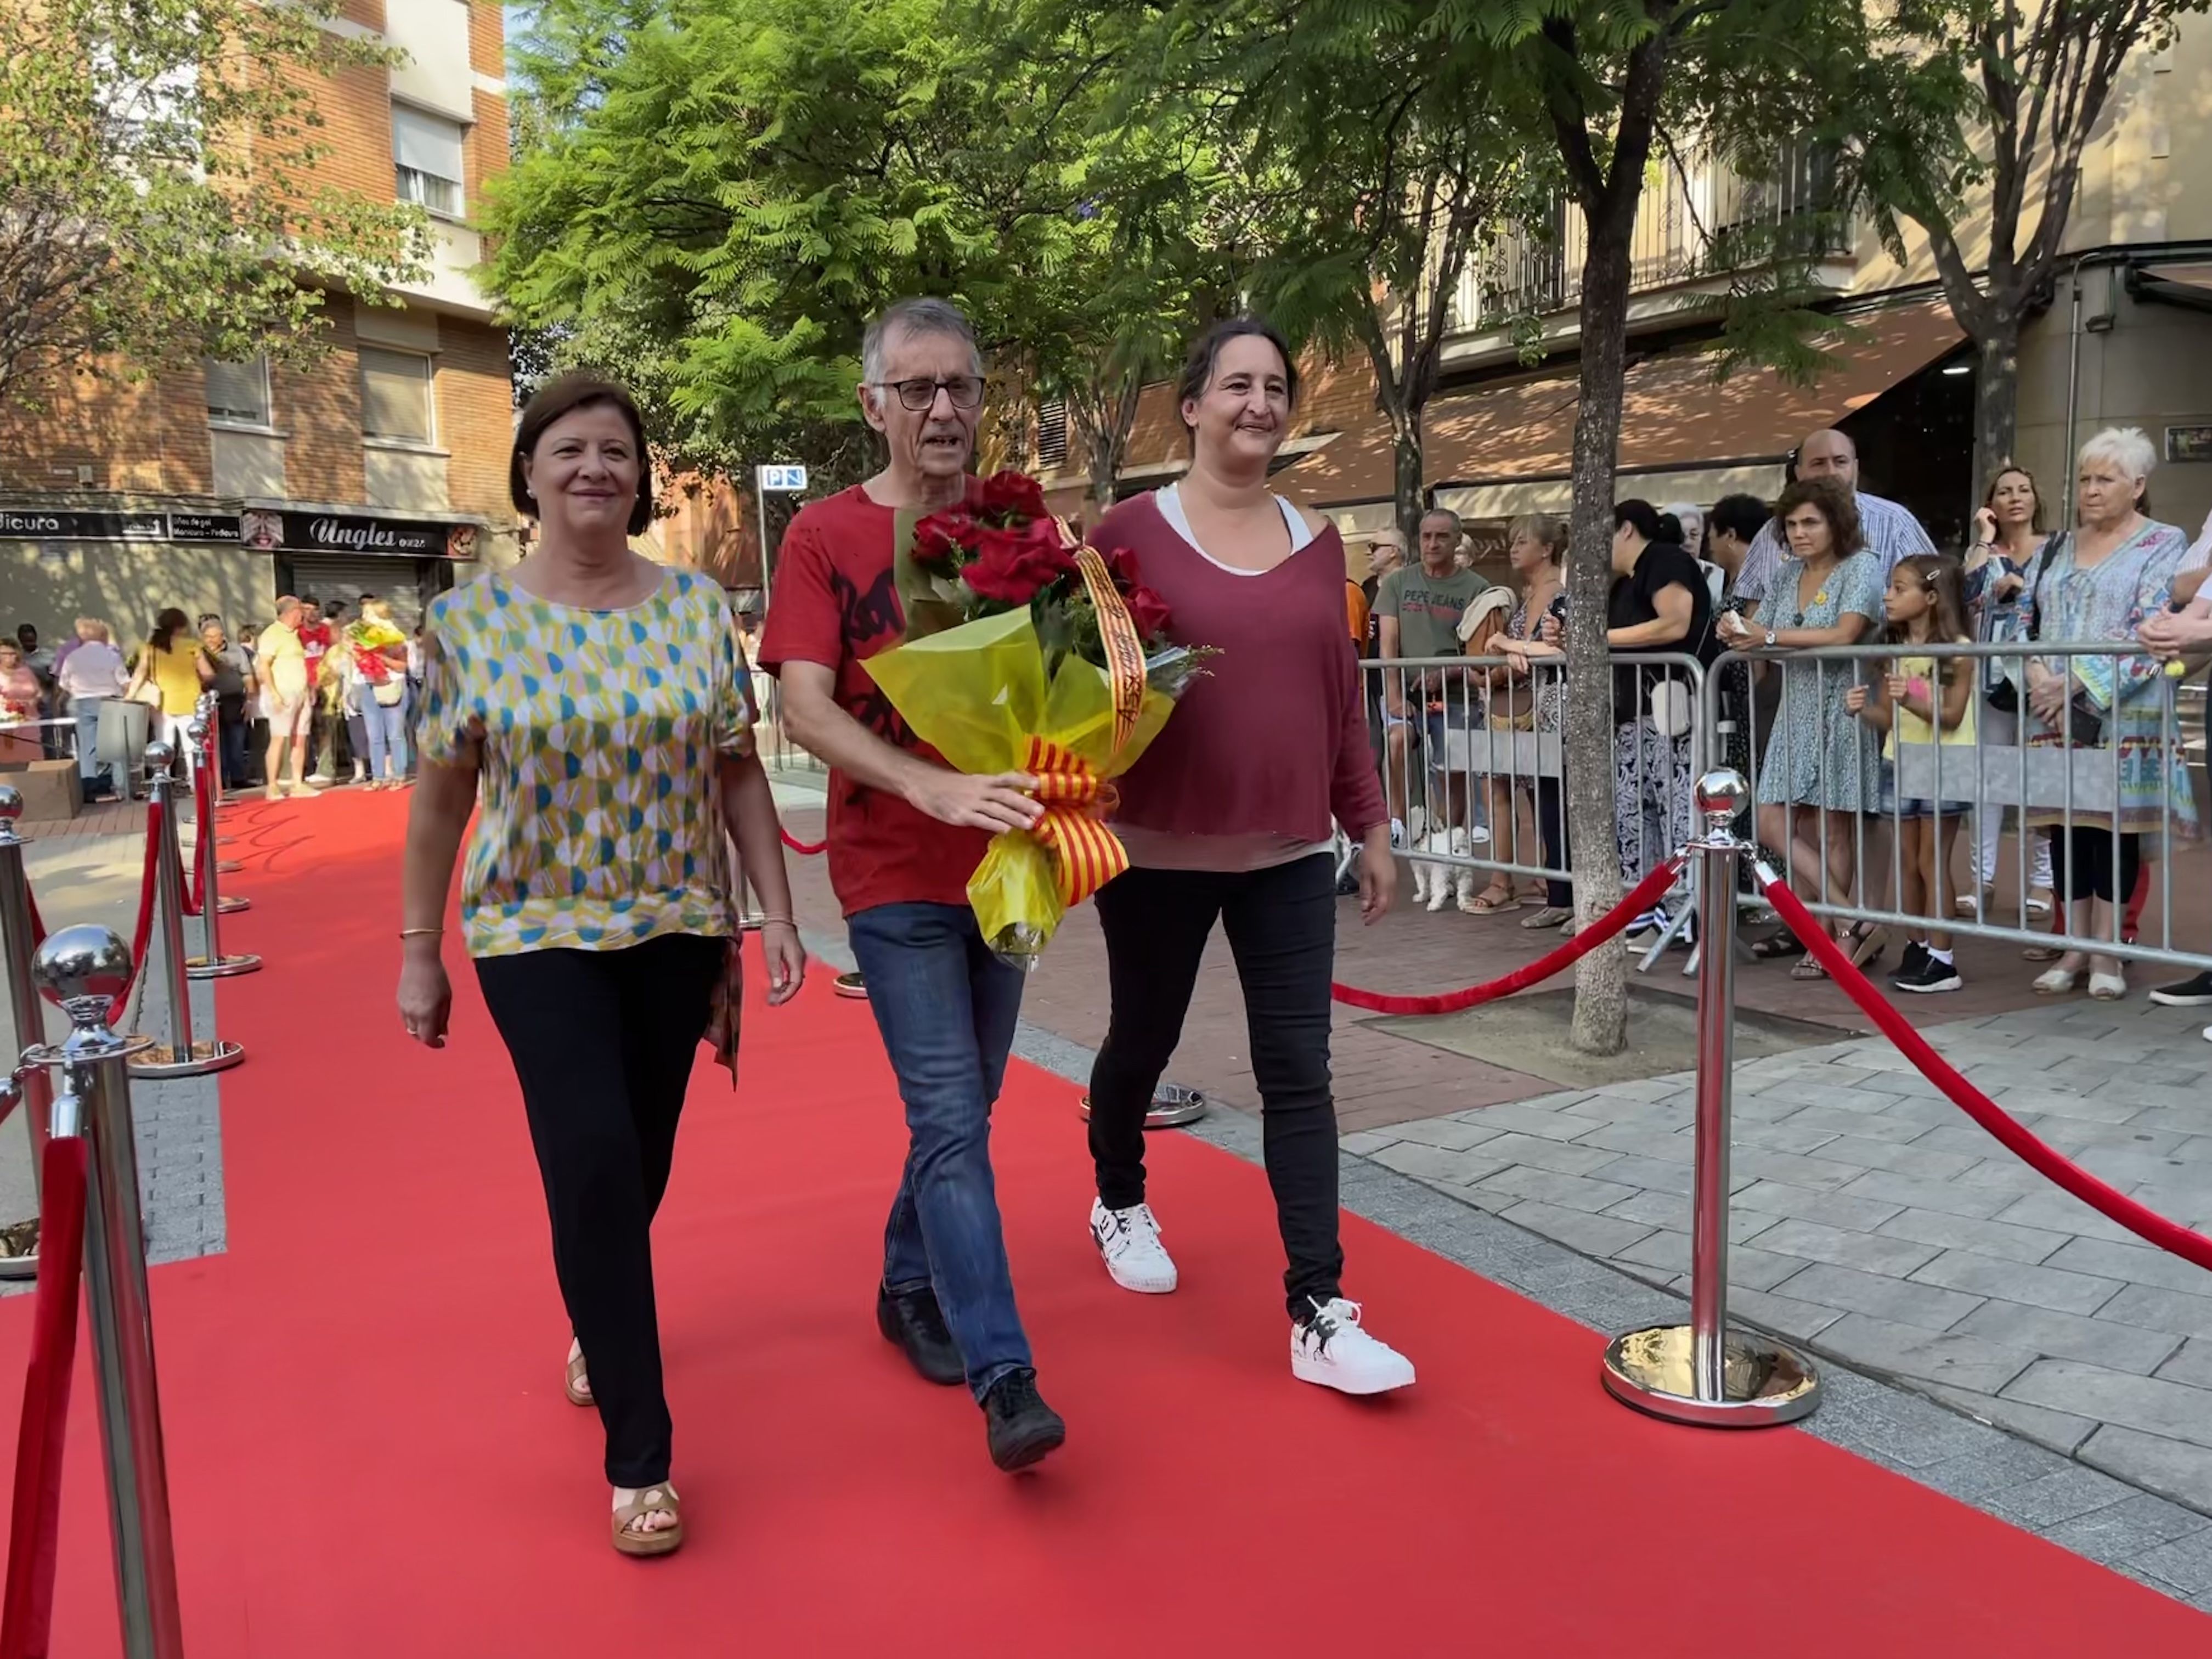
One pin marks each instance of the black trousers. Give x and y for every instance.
(2087, 863)
(603, 1044)
(1281, 924)
(1552, 838)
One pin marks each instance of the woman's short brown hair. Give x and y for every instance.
(1836, 502)
(1546, 529)
(564, 395)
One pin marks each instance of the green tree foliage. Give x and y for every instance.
(158, 196)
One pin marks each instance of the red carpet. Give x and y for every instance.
(370, 1453)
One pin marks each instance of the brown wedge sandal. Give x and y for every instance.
(661, 1540)
(579, 1389)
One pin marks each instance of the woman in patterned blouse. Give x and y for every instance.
(596, 703)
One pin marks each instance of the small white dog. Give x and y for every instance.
(1436, 882)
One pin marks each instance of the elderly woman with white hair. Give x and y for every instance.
(2101, 581)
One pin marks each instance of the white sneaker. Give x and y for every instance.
(320, 780)
(1128, 1243)
(1333, 1349)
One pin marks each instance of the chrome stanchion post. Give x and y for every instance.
(35, 1094)
(1702, 1372)
(210, 710)
(214, 965)
(181, 1056)
(83, 969)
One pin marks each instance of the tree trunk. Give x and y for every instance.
(1997, 399)
(1601, 1020)
(1407, 452)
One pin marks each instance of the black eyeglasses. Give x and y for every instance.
(966, 392)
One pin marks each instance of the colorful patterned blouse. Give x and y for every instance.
(598, 825)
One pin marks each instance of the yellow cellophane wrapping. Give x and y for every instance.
(977, 694)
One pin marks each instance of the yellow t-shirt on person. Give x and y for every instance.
(175, 673)
(1905, 727)
(286, 659)
(600, 825)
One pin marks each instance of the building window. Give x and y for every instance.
(238, 393)
(1052, 433)
(425, 160)
(395, 395)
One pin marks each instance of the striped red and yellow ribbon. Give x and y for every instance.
(1085, 853)
(1117, 632)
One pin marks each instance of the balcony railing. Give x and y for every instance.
(1695, 221)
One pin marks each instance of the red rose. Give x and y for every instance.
(1013, 495)
(1013, 566)
(944, 539)
(1121, 564)
(1148, 611)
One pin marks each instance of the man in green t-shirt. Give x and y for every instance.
(1417, 609)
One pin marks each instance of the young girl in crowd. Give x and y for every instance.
(1921, 702)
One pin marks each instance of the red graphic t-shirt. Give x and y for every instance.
(315, 641)
(834, 604)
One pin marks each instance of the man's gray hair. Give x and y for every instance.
(2125, 447)
(915, 316)
(286, 602)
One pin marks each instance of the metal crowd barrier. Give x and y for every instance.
(1789, 730)
(1477, 772)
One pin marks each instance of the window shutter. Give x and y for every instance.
(395, 395)
(238, 392)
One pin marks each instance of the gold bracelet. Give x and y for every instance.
(419, 933)
(784, 921)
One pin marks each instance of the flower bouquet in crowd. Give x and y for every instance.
(1025, 651)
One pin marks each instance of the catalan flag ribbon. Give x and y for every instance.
(1085, 853)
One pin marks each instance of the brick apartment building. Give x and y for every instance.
(381, 467)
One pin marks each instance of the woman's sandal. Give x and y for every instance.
(1809, 968)
(1486, 903)
(1868, 941)
(579, 1389)
(1775, 946)
(661, 1540)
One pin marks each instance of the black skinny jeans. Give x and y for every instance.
(1552, 838)
(2088, 863)
(1281, 924)
(603, 1044)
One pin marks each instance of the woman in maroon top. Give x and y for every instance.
(1229, 815)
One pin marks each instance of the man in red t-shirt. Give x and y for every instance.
(315, 641)
(905, 834)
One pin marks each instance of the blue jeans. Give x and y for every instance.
(946, 1008)
(387, 735)
(90, 769)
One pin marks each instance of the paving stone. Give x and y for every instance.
(2005, 1173)
(2016, 1281)
(2161, 1310)
(1784, 1314)
(1595, 1235)
(2173, 1468)
(1436, 1164)
(1909, 1159)
(2058, 1212)
(2191, 1362)
(1828, 1209)
(1567, 1158)
(2137, 1264)
(1674, 1179)
(1958, 1232)
(2060, 1496)
(1869, 1252)
(1822, 1174)
(1365, 1142)
(1891, 1299)
(1899, 1430)
(1999, 1467)
(1781, 1135)
(2194, 1121)
(1647, 1088)
(2056, 1336)
(2056, 1430)
(1911, 1191)
(1840, 1121)
(1913, 1350)
(1522, 1181)
(2177, 1411)
(1672, 1210)
(1969, 1139)
(1669, 1250)
(2127, 1166)
(2186, 1563)
(1451, 1135)
(1641, 1141)
(1523, 1117)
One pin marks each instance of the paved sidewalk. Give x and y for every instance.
(1873, 1220)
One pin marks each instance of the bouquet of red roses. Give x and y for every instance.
(1025, 651)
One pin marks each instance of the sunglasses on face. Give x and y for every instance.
(966, 392)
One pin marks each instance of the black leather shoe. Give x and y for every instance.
(1022, 1427)
(913, 1320)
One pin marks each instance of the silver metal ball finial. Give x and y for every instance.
(83, 969)
(1721, 794)
(159, 756)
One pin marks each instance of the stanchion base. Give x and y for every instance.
(231, 907)
(226, 866)
(21, 1243)
(160, 1060)
(224, 967)
(1171, 1108)
(1765, 1383)
(850, 985)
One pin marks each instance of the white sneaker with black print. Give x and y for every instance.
(1128, 1243)
(1331, 1348)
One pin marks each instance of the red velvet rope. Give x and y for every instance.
(203, 809)
(2044, 1160)
(801, 847)
(38, 925)
(26, 1612)
(142, 936)
(1649, 892)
